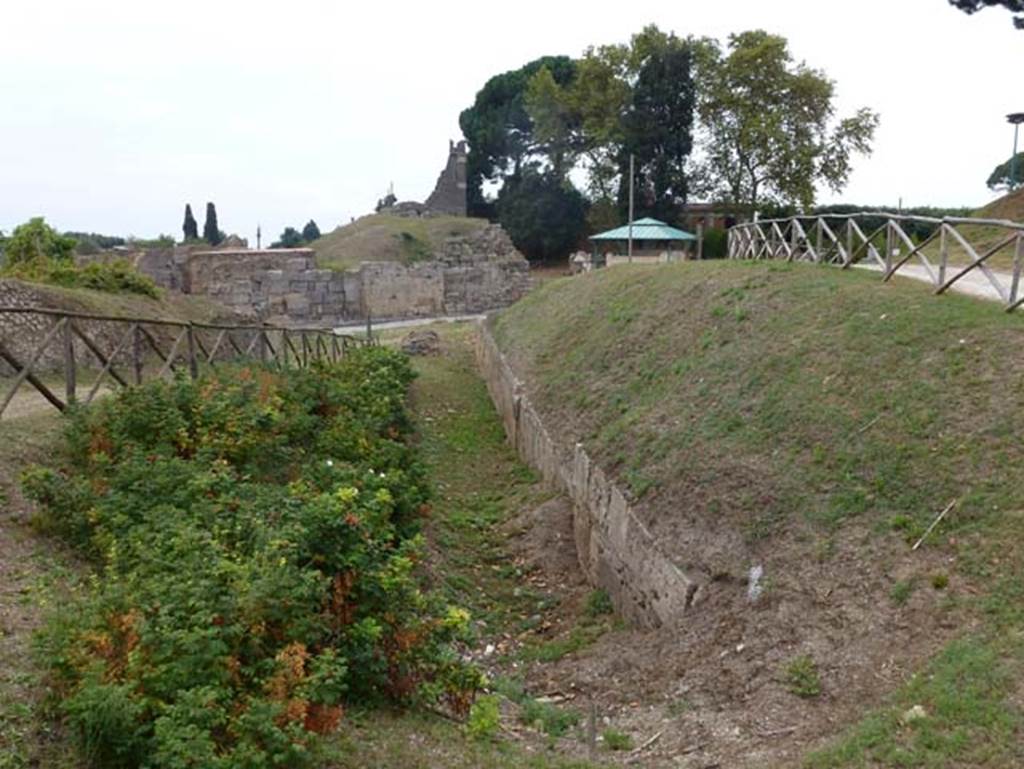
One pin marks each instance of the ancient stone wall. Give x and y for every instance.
(616, 550)
(472, 273)
(271, 283)
(469, 274)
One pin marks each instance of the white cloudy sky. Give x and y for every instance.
(114, 113)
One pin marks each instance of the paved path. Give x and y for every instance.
(356, 328)
(973, 283)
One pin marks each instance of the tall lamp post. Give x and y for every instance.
(1015, 118)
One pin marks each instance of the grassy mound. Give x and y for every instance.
(1009, 206)
(800, 417)
(380, 238)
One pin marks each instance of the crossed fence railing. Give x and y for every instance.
(125, 351)
(946, 249)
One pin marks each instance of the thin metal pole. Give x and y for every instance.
(631, 180)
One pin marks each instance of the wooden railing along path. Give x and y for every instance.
(946, 249)
(135, 349)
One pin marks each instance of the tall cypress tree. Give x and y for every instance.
(211, 233)
(189, 227)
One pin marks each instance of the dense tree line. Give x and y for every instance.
(971, 6)
(293, 238)
(741, 123)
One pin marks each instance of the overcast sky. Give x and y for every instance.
(115, 114)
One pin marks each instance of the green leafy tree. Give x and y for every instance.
(36, 241)
(290, 238)
(543, 214)
(769, 124)
(310, 232)
(659, 131)
(500, 131)
(1008, 175)
(189, 226)
(636, 99)
(970, 6)
(211, 232)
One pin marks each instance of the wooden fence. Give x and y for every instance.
(125, 351)
(946, 249)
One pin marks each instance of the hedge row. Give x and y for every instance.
(255, 537)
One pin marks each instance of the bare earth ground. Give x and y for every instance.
(35, 572)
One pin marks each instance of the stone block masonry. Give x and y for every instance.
(473, 273)
(469, 274)
(616, 550)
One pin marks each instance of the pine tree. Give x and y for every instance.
(310, 232)
(211, 233)
(189, 227)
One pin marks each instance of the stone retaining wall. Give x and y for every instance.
(616, 550)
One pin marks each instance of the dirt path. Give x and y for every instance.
(35, 571)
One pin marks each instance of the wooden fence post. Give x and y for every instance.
(888, 247)
(137, 352)
(848, 238)
(193, 365)
(261, 345)
(69, 361)
(1018, 265)
(943, 253)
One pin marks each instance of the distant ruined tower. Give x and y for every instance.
(449, 195)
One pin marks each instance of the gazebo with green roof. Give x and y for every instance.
(654, 242)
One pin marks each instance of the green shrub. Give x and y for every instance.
(715, 243)
(550, 719)
(484, 718)
(116, 277)
(801, 677)
(255, 540)
(598, 603)
(900, 592)
(616, 740)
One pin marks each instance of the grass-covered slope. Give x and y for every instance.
(169, 305)
(811, 393)
(816, 421)
(390, 239)
(1009, 206)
